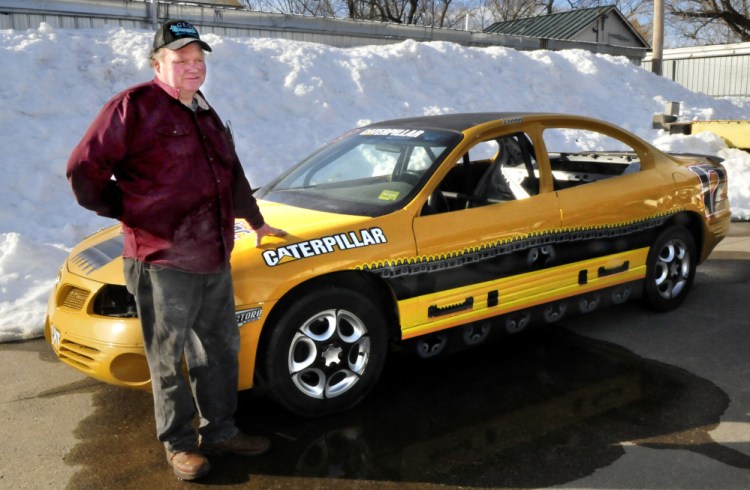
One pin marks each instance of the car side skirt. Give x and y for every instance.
(444, 309)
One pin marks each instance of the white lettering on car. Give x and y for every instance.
(246, 316)
(404, 133)
(324, 245)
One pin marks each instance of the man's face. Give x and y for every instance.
(184, 69)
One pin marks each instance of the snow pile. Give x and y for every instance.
(284, 99)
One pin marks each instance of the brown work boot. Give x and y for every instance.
(240, 444)
(188, 465)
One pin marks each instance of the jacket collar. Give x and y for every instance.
(175, 93)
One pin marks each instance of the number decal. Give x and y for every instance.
(713, 181)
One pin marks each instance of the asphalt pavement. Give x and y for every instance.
(622, 398)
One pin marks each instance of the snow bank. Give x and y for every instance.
(284, 99)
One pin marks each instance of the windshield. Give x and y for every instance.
(368, 171)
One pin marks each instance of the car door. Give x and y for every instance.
(492, 232)
(609, 195)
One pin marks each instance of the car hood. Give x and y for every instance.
(299, 221)
(99, 257)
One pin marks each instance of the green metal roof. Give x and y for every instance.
(560, 25)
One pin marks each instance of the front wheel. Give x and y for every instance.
(326, 352)
(670, 269)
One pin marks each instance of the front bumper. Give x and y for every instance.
(109, 349)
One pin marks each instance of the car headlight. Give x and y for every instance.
(115, 301)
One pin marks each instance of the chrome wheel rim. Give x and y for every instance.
(672, 269)
(329, 353)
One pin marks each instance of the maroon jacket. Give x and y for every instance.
(178, 183)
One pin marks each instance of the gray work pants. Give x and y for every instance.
(192, 315)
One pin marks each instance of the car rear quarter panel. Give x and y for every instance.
(700, 190)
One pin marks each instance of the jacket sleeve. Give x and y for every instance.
(91, 165)
(245, 205)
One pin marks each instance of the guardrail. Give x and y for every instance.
(228, 21)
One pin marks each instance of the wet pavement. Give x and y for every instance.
(620, 398)
(500, 416)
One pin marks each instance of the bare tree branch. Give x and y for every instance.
(709, 16)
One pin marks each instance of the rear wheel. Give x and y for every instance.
(670, 269)
(326, 352)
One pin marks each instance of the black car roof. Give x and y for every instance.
(452, 122)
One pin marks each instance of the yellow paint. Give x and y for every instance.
(735, 133)
(519, 292)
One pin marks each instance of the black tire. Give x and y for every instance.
(326, 352)
(670, 269)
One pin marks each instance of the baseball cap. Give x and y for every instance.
(176, 34)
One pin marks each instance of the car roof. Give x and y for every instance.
(451, 122)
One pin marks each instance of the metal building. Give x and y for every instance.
(720, 70)
(600, 25)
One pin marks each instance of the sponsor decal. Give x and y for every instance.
(512, 120)
(713, 179)
(247, 316)
(324, 245)
(99, 255)
(404, 133)
(241, 229)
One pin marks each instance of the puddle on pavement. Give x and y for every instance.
(535, 410)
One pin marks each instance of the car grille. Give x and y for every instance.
(74, 298)
(79, 355)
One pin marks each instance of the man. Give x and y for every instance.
(159, 159)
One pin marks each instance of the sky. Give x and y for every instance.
(285, 99)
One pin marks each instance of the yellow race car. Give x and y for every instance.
(433, 232)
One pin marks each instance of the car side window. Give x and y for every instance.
(513, 174)
(492, 171)
(580, 156)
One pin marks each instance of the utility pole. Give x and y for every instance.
(154, 13)
(657, 47)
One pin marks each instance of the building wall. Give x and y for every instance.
(719, 70)
(609, 30)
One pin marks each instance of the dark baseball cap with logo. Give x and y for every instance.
(176, 34)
